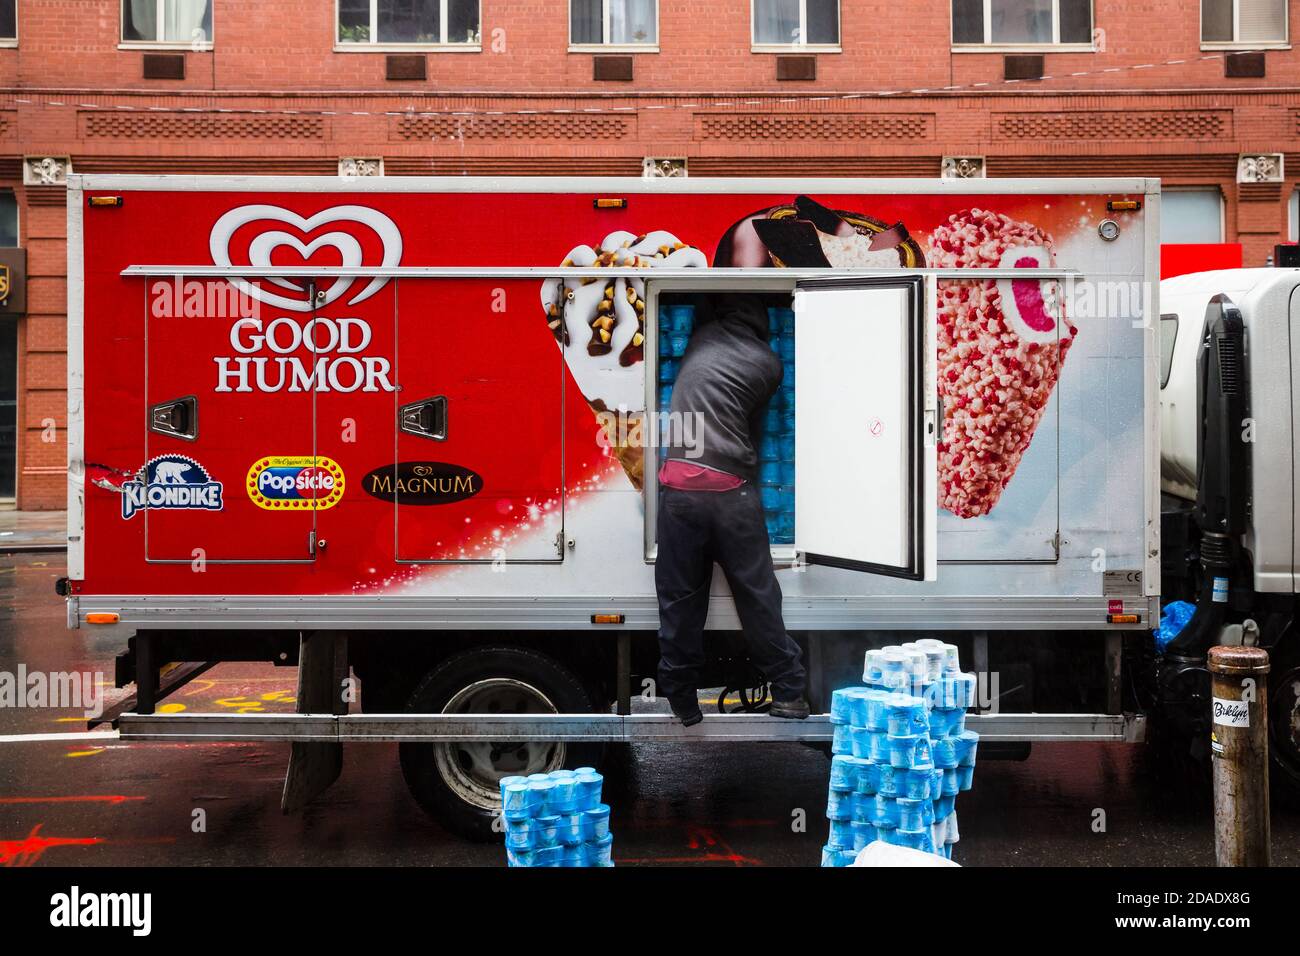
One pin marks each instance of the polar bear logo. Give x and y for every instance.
(170, 473)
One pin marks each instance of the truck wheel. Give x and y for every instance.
(1284, 726)
(456, 784)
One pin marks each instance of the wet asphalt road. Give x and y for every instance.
(108, 803)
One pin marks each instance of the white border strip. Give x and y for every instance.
(609, 184)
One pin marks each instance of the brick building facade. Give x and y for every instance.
(593, 87)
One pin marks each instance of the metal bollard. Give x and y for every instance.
(1239, 739)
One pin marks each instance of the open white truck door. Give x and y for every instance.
(866, 425)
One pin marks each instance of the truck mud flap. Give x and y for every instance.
(313, 765)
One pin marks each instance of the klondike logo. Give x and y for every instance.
(295, 483)
(422, 483)
(174, 482)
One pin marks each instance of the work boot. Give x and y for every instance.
(687, 710)
(796, 709)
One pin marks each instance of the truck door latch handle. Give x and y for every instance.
(178, 418)
(426, 418)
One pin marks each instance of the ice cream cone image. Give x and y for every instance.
(600, 325)
(1001, 345)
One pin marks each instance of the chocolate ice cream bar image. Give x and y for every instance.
(808, 234)
(1001, 346)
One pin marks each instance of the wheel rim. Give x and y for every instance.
(472, 770)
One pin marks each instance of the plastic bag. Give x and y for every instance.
(1173, 619)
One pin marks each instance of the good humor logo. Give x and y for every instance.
(174, 482)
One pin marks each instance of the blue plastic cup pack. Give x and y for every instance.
(667, 371)
(951, 786)
(546, 830)
(910, 815)
(944, 750)
(840, 705)
(841, 742)
(520, 834)
(677, 344)
(841, 835)
(944, 806)
(571, 828)
(914, 784)
(595, 823)
(965, 777)
(905, 716)
(876, 701)
(861, 738)
(871, 665)
(575, 854)
(863, 833)
(887, 782)
(681, 318)
(868, 775)
(844, 772)
(839, 804)
(881, 749)
(588, 784)
(564, 796)
(967, 744)
(886, 812)
(600, 852)
(769, 475)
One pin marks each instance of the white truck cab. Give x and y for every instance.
(1228, 416)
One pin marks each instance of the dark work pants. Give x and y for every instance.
(696, 529)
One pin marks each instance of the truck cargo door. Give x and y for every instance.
(477, 475)
(231, 473)
(865, 425)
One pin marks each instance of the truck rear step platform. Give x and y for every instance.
(635, 728)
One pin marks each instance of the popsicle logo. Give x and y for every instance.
(253, 229)
(295, 483)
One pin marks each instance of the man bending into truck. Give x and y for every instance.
(710, 510)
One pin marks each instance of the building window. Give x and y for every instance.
(8, 21)
(613, 22)
(173, 22)
(1021, 22)
(409, 22)
(1243, 21)
(795, 23)
(1191, 215)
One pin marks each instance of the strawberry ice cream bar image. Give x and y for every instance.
(601, 324)
(1001, 346)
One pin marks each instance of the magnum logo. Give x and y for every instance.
(422, 483)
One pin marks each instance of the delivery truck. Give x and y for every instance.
(403, 434)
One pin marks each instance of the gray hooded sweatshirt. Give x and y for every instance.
(728, 375)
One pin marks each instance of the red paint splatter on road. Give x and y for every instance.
(28, 851)
(88, 798)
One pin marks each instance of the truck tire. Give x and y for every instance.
(1284, 724)
(456, 784)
